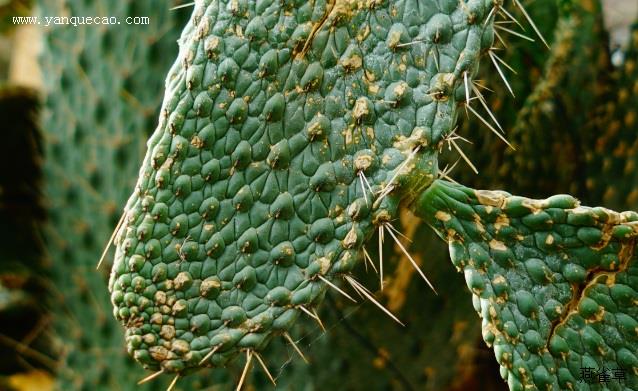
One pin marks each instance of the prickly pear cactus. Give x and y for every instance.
(449, 354)
(101, 100)
(552, 281)
(280, 122)
(289, 134)
(531, 61)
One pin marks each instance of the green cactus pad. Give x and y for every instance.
(101, 96)
(553, 282)
(249, 195)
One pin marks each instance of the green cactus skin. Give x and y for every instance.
(487, 152)
(248, 196)
(102, 86)
(248, 201)
(398, 356)
(553, 282)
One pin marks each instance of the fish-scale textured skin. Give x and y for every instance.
(249, 191)
(439, 347)
(553, 282)
(102, 85)
(448, 353)
(613, 175)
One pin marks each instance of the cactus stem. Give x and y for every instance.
(363, 291)
(249, 356)
(150, 377)
(209, 354)
(294, 345)
(265, 368)
(531, 22)
(390, 186)
(500, 72)
(499, 27)
(407, 254)
(333, 286)
(110, 242)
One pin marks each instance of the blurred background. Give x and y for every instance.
(78, 103)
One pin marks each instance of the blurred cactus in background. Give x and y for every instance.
(103, 89)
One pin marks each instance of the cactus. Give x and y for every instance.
(368, 345)
(101, 100)
(290, 133)
(551, 280)
(240, 220)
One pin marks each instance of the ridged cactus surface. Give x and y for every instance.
(102, 90)
(239, 217)
(552, 281)
(291, 132)
(279, 123)
(291, 136)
